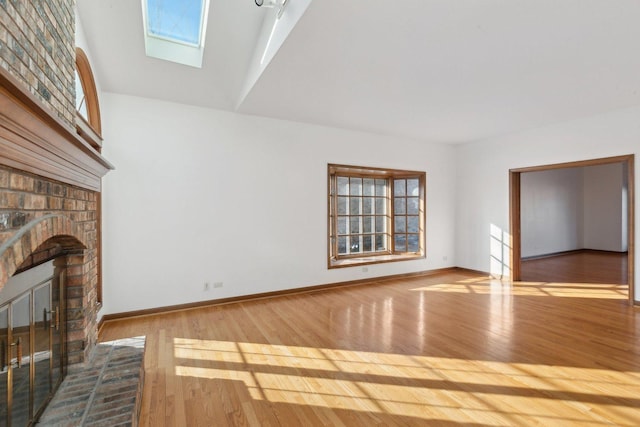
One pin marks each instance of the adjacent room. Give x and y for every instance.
(319, 212)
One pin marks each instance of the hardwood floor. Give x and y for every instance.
(582, 267)
(446, 349)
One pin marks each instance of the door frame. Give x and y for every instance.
(515, 212)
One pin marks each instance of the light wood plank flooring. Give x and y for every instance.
(446, 349)
(582, 267)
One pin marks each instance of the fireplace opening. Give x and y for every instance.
(42, 317)
(32, 351)
(49, 354)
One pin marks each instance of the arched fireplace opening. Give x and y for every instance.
(46, 320)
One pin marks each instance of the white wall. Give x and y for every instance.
(273, 34)
(483, 174)
(603, 208)
(551, 203)
(200, 195)
(573, 208)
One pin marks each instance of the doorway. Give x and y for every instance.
(516, 212)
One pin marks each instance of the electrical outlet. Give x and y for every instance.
(206, 286)
(217, 284)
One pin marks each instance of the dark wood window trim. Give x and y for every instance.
(90, 128)
(91, 96)
(388, 214)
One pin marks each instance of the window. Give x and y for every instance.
(89, 127)
(375, 215)
(175, 30)
(86, 94)
(81, 98)
(178, 21)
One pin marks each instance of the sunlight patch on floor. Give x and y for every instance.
(486, 286)
(413, 386)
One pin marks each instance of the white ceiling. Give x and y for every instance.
(435, 70)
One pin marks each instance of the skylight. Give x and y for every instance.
(174, 30)
(180, 21)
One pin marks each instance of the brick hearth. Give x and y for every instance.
(105, 391)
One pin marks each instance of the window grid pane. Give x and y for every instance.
(406, 218)
(362, 218)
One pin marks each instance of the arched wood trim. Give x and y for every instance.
(93, 111)
(89, 88)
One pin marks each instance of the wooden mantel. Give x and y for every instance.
(34, 140)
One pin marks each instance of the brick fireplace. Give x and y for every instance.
(50, 165)
(50, 169)
(41, 219)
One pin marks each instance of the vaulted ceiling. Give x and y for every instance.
(434, 70)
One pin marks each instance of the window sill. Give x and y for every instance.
(375, 259)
